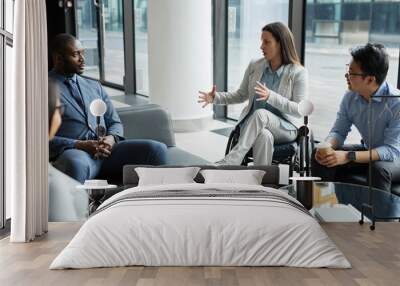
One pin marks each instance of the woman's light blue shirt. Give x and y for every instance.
(271, 79)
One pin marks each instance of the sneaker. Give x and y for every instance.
(221, 162)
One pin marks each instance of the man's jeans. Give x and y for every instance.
(81, 166)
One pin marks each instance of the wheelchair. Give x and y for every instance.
(293, 153)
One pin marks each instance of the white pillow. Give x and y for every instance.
(163, 176)
(248, 177)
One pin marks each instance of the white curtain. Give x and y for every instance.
(26, 123)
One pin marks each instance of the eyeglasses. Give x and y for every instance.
(61, 108)
(352, 74)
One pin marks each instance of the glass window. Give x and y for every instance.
(114, 68)
(331, 30)
(1, 14)
(245, 21)
(9, 15)
(141, 43)
(8, 69)
(87, 33)
(2, 189)
(110, 67)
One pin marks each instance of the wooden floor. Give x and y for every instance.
(374, 255)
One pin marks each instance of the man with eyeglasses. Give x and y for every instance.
(76, 150)
(366, 77)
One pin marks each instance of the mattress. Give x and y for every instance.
(201, 225)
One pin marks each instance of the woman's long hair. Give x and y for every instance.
(284, 37)
(52, 99)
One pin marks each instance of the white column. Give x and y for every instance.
(180, 59)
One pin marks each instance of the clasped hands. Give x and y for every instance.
(98, 149)
(334, 158)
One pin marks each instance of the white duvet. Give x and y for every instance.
(183, 231)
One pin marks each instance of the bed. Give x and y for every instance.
(201, 224)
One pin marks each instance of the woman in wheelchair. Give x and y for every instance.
(273, 85)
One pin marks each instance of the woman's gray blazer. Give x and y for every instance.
(292, 89)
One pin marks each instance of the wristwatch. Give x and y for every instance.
(116, 138)
(351, 155)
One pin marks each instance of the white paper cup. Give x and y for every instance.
(324, 148)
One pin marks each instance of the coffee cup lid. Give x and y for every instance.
(323, 145)
(96, 183)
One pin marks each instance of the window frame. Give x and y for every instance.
(296, 23)
(6, 39)
(100, 44)
(343, 5)
(220, 51)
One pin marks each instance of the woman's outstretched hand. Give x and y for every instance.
(207, 97)
(262, 90)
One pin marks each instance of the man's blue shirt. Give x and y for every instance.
(385, 136)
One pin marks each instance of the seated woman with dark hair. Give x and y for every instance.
(55, 109)
(66, 203)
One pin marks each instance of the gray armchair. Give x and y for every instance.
(149, 121)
